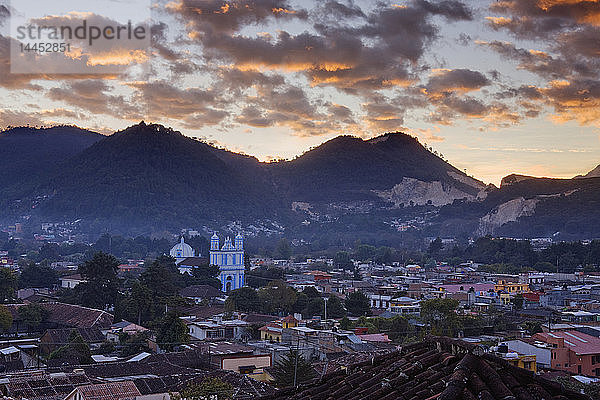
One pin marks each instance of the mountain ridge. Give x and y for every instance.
(148, 178)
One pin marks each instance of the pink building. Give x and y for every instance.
(573, 351)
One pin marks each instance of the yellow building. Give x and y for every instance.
(511, 287)
(273, 330)
(527, 362)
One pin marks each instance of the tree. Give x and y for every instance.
(50, 252)
(162, 277)
(435, 247)
(358, 304)
(134, 344)
(278, 297)
(243, 299)
(76, 351)
(208, 389)
(441, 316)
(203, 275)
(283, 251)
(101, 288)
(342, 260)
(37, 276)
(292, 368)
(139, 305)
(314, 307)
(6, 319)
(172, 331)
(311, 292)
(335, 308)
(8, 284)
(345, 324)
(33, 315)
(263, 275)
(517, 301)
(364, 252)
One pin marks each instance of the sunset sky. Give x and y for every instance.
(497, 87)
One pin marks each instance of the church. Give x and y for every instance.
(230, 260)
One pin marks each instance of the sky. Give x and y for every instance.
(496, 87)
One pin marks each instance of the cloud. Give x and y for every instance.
(456, 80)
(230, 16)
(568, 59)
(94, 95)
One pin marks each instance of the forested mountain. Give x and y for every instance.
(26, 151)
(148, 178)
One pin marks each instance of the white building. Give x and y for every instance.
(181, 251)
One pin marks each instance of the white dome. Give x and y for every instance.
(182, 250)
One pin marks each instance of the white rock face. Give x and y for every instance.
(421, 193)
(506, 212)
(467, 180)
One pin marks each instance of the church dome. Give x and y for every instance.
(182, 250)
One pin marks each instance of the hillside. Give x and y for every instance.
(26, 151)
(348, 169)
(149, 178)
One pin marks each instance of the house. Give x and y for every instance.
(116, 329)
(380, 301)
(216, 328)
(70, 281)
(105, 391)
(541, 350)
(239, 358)
(272, 331)
(200, 293)
(573, 351)
(405, 305)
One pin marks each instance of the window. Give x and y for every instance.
(579, 369)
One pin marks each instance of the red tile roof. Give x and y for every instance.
(109, 391)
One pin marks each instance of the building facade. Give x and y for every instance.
(230, 260)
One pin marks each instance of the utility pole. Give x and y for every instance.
(296, 361)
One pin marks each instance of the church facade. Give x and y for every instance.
(230, 260)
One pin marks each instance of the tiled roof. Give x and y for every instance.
(60, 337)
(71, 315)
(109, 391)
(38, 385)
(252, 318)
(290, 318)
(201, 291)
(437, 368)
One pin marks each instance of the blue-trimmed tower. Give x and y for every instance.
(230, 260)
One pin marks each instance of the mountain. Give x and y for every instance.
(149, 178)
(26, 151)
(595, 173)
(351, 169)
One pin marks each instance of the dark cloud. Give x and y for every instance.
(456, 80)
(94, 95)
(229, 16)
